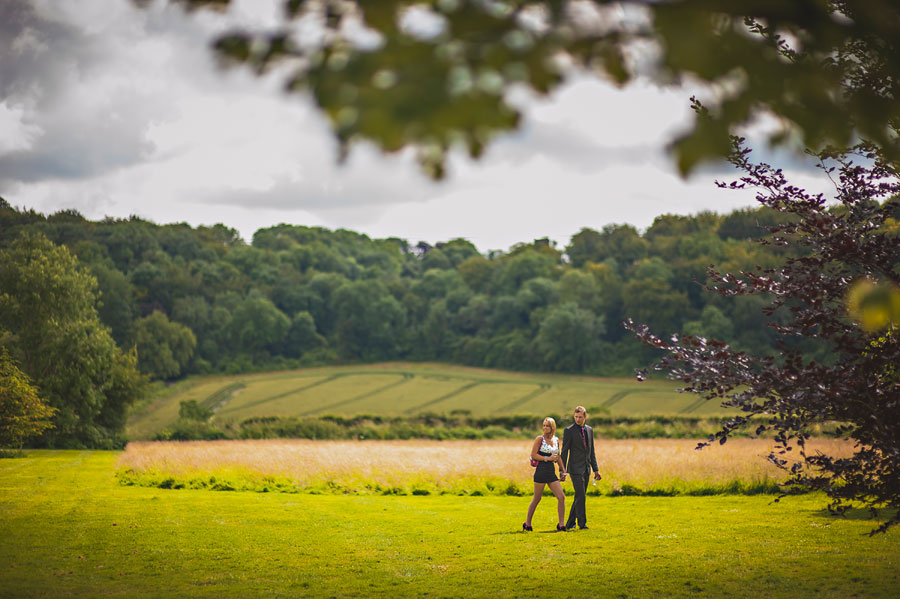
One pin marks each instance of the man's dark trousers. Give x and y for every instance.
(578, 511)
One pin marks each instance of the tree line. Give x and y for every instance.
(201, 300)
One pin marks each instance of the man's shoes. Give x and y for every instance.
(583, 527)
(570, 527)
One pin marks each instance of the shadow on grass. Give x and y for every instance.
(857, 514)
(522, 532)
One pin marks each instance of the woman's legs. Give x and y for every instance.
(538, 491)
(557, 489)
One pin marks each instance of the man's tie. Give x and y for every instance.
(583, 438)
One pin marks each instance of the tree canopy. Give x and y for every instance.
(164, 348)
(434, 75)
(191, 302)
(50, 326)
(23, 413)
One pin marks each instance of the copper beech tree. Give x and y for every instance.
(842, 251)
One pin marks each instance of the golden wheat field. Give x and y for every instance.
(451, 466)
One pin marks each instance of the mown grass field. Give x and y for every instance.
(406, 389)
(70, 530)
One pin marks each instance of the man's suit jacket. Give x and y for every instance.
(574, 455)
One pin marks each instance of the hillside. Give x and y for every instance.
(397, 389)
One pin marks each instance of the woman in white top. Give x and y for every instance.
(545, 450)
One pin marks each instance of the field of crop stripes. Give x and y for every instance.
(278, 397)
(410, 393)
(409, 397)
(382, 393)
(409, 389)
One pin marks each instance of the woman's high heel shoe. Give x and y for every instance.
(560, 528)
(526, 528)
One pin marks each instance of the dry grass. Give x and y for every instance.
(465, 467)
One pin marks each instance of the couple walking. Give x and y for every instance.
(575, 459)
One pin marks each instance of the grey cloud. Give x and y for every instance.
(570, 147)
(81, 142)
(44, 64)
(90, 91)
(30, 49)
(363, 190)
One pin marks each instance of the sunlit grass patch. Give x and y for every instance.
(71, 531)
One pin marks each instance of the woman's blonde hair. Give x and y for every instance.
(552, 424)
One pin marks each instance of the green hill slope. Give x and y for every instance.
(397, 389)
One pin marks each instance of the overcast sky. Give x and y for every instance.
(115, 111)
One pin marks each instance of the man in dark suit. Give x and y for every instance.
(578, 460)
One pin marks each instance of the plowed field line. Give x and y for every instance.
(285, 394)
(615, 397)
(406, 378)
(526, 398)
(465, 387)
(700, 401)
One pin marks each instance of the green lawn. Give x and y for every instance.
(408, 389)
(69, 529)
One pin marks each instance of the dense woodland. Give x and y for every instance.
(201, 300)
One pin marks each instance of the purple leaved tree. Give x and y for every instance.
(836, 248)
